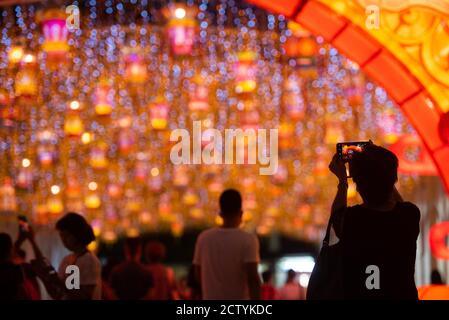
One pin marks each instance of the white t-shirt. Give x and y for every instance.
(222, 253)
(90, 271)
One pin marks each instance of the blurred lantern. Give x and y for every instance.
(55, 34)
(92, 200)
(26, 83)
(114, 190)
(196, 213)
(334, 132)
(293, 100)
(133, 201)
(141, 171)
(249, 184)
(155, 182)
(46, 151)
(246, 72)
(248, 215)
(165, 207)
(180, 176)
(145, 217)
(190, 198)
(73, 125)
(181, 28)
(177, 228)
(25, 175)
(249, 119)
(103, 100)
(286, 134)
(8, 200)
(387, 122)
(98, 156)
(15, 54)
(135, 68)
(281, 174)
(159, 114)
(55, 205)
(109, 236)
(73, 188)
(97, 226)
(219, 220)
(298, 32)
(126, 140)
(199, 95)
(250, 201)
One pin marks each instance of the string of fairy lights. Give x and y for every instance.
(86, 114)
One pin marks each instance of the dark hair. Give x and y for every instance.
(230, 202)
(266, 276)
(5, 246)
(77, 226)
(375, 171)
(133, 244)
(155, 251)
(436, 277)
(291, 274)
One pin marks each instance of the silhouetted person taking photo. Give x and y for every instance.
(378, 237)
(226, 258)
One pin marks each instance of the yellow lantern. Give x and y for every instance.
(25, 84)
(55, 205)
(15, 54)
(92, 200)
(135, 68)
(190, 198)
(246, 72)
(73, 125)
(98, 158)
(103, 98)
(159, 114)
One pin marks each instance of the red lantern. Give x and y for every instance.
(424, 166)
(181, 28)
(437, 238)
(135, 69)
(55, 34)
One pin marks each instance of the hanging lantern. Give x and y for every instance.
(177, 228)
(133, 201)
(26, 83)
(92, 200)
(293, 99)
(9, 112)
(180, 176)
(46, 151)
(190, 198)
(246, 72)
(199, 96)
(145, 217)
(25, 175)
(298, 32)
(155, 182)
(135, 68)
(387, 122)
(55, 205)
(114, 190)
(55, 33)
(103, 100)
(15, 54)
(181, 28)
(286, 134)
(159, 114)
(98, 156)
(73, 125)
(8, 200)
(281, 175)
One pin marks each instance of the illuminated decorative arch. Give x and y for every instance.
(408, 55)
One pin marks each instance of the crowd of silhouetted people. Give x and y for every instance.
(381, 231)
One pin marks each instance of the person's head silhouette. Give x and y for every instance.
(231, 208)
(375, 171)
(75, 232)
(6, 247)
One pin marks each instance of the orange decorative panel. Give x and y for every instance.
(425, 120)
(285, 7)
(320, 20)
(390, 74)
(354, 44)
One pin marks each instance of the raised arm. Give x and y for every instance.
(338, 168)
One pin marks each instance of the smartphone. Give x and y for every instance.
(23, 223)
(346, 150)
